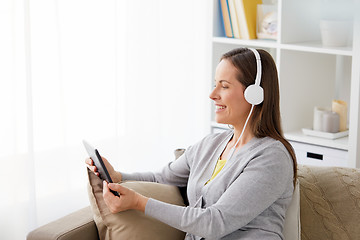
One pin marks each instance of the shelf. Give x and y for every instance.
(317, 47)
(313, 47)
(298, 136)
(310, 74)
(253, 43)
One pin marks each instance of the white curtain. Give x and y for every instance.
(131, 77)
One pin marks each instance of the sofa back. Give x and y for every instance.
(329, 203)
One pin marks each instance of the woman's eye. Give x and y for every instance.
(222, 86)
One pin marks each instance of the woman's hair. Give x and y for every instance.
(265, 119)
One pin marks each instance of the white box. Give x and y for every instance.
(309, 154)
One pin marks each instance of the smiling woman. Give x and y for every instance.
(76, 69)
(229, 176)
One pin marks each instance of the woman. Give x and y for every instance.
(240, 182)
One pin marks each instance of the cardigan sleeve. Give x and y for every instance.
(263, 181)
(174, 173)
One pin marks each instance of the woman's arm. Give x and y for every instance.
(174, 173)
(261, 183)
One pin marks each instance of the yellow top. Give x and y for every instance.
(219, 165)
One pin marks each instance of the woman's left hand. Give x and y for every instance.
(128, 199)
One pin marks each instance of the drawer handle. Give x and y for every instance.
(314, 156)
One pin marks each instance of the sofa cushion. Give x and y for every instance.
(133, 224)
(329, 202)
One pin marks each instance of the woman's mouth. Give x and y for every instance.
(219, 108)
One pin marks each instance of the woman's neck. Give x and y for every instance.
(245, 138)
(242, 131)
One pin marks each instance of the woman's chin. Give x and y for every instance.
(220, 121)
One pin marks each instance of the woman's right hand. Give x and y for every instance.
(115, 176)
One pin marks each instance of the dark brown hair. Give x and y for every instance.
(265, 119)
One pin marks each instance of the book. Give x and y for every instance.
(225, 13)
(234, 19)
(246, 13)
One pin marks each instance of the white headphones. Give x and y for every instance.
(254, 94)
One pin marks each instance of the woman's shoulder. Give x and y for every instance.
(269, 143)
(216, 138)
(212, 139)
(219, 135)
(271, 149)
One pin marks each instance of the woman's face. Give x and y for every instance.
(228, 96)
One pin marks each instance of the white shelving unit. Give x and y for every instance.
(310, 75)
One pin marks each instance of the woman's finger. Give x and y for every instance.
(93, 169)
(118, 188)
(90, 164)
(107, 194)
(106, 189)
(110, 199)
(111, 186)
(89, 161)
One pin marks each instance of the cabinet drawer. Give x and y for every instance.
(320, 156)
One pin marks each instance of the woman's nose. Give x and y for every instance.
(213, 95)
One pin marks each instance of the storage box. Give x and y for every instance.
(309, 154)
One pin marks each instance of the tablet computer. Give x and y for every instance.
(98, 162)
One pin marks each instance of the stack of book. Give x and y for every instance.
(239, 18)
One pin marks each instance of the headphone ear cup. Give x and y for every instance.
(254, 94)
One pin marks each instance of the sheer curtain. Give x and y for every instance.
(131, 77)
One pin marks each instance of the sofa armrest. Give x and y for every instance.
(78, 225)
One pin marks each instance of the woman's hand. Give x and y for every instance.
(128, 199)
(115, 176)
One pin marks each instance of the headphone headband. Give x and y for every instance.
(258, 66)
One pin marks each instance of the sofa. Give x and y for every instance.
(329, 209)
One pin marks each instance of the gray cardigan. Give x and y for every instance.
(246, 200)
